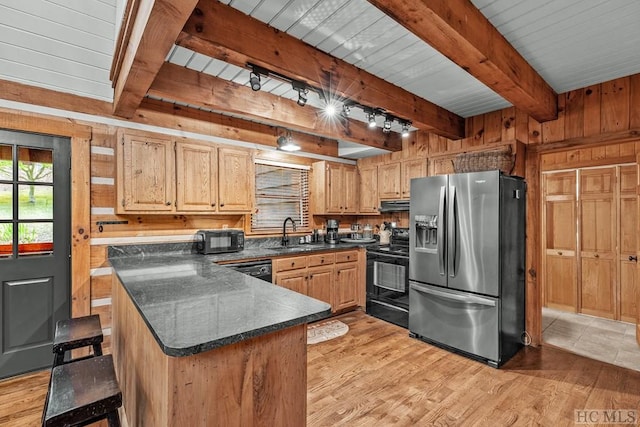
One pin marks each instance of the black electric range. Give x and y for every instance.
(388, 279)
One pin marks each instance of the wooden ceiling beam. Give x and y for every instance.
(150, 37)
(181, 84)
(152, 111)
(458, 30)
(222, 32)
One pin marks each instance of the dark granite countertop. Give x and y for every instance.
(192, 305)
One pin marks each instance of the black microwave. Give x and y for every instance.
(219, 241)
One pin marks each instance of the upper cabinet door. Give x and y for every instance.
(146, 166)
(350, 182)
(335, 189)
(369, 190)
(236, 180)
(389, 181)
(197, 172)
(412, 169)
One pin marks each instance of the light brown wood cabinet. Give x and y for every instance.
(389, 181)
(410, 169)
(146, 178)
(197, 169)
(163, 176)
(334, 188)
(441, 165)
(595, 211)
(236, 179)
(369, 201)
(330, 277)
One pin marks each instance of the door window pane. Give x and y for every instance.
(6, 201)
(6, 240)
(35, 201)
(35, 165)
(6, 162)
(35, 238)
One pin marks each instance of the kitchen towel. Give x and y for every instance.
(325, 331)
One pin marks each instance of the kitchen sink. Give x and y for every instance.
(294, 248)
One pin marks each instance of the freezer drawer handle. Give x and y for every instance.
(440, 244)
(469, 299)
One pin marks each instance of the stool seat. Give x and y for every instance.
(83, 392)
(76, 333)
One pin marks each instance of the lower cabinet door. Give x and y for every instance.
(295, 280)
(320, 284)
(345, 287)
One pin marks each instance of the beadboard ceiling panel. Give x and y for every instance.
(571, 43)
(64, 45)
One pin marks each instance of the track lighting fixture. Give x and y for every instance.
(302, 92)
(285, 143)
(346, 109)
(254, 79)
(405, 129)
(386, 127)
(371, 118)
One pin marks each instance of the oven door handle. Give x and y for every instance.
(467, 299)
(379, 256)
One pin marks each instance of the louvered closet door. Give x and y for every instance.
(598, 235)
(628, 243)
(559, 240)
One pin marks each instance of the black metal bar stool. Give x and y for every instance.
(83, 392)
(76, 333)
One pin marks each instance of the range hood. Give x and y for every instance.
(394, 206)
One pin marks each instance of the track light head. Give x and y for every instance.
(371, 118)
(386, 127)
(405, 129)
(254, 79)
(302, 92)
(346, 109)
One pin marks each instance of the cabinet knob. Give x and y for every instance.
(292, 264)
(168, 203)
(348, 256)
(559, 253)
(213, 205)
(311, 277)
(597, 256)
(221, 204)
(633, 258)
(322, 261)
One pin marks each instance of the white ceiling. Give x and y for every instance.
(67, 45)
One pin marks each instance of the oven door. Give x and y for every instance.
(388, 278)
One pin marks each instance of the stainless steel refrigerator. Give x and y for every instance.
(467, 263)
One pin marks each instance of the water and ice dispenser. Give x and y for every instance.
(426, 232)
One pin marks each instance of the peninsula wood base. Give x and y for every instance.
(259, 381)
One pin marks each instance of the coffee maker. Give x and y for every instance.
(332, 232)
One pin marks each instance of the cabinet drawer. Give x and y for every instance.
(321, 259)
(285, 264)
(346, 256)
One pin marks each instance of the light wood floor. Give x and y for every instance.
(377, 376)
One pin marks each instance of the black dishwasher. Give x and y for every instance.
(259, 269)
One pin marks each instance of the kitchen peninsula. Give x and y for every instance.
(198, 344)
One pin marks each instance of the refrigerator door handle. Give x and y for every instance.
(467, 299)
(440, 236)
(451, 232)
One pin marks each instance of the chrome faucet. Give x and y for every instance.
(285, 239)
